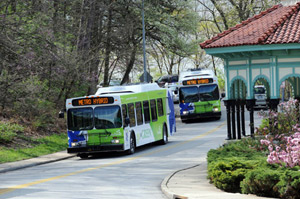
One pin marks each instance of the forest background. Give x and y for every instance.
(51, 50)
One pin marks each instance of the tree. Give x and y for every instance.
(218, 16)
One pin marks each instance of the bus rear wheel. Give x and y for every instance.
(165, 136)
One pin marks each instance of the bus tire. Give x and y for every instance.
(218, 118)
(183, 121)
(83, 155)
(164, 136)
(132, 147)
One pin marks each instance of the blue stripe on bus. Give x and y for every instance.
(172, 121)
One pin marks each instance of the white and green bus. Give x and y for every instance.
(199, 95)
(119, 118)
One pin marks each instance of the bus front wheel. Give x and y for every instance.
(132, 144)
(83, 155)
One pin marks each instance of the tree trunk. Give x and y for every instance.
(130, 65)
(108, 47)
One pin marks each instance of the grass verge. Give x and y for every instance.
(41, 146)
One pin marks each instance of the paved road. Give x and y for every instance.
(118, 175)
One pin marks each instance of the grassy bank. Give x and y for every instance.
(41, 146)
(16, 144)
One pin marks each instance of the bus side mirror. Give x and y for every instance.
(61, 114)
(222, 95)
(127, 122)
(176, 91)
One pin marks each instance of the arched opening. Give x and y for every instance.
(261, 93)
(235, 108)
(290, 88)
(238, 89)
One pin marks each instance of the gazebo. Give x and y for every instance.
(264, 48)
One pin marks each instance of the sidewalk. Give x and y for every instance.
(191, 183)
(5, 167)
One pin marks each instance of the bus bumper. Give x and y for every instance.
(201, 115)
(91, 149)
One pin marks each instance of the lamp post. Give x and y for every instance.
(144, 46)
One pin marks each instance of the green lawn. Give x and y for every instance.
(42, 146)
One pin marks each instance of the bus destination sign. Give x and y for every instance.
(197, 81)
(92, 101)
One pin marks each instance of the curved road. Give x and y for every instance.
(117, 175)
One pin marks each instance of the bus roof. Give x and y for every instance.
(196, 74)
(125, 89)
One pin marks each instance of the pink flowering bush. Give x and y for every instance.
(287, 154)
(282, 135)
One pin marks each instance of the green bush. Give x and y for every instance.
(240, 167)
(228, 175)
(261, 182)
(9, 131)
(289, 184)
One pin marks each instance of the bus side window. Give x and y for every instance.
(131, 114)
(153, 110)
(160, 107)
(139, 114)
(146, 111)
(124, 113)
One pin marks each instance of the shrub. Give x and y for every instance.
(9, 131)
(289, 184)
(237, 167)
(228, 175)
(261, 182)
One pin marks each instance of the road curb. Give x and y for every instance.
(164, 185)
(22, 164)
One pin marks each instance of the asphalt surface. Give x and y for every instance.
(188, 182)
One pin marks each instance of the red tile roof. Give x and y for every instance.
(277, 25)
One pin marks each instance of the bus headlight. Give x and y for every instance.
(185, 112)
(73, 144)
(215, 109)
(115, 141)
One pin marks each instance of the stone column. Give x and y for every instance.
(273, 103)
(243, 102)
(238, 118)
(227, 103)
(233, 119)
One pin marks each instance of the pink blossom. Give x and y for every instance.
(277, 148)
(270, 147)
(284, 147)
(295, 141)
(265, 142)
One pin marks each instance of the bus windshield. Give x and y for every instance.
(259, 90)
(105, 117)
(202, 93)
(209, 92)
(108, 117)
(189, 94)
(80, 119)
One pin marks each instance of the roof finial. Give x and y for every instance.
(289, 2)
